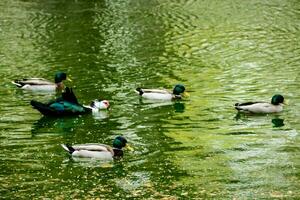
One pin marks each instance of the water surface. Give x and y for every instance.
(223, 52)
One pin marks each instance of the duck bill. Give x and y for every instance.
(185, 94)
(285, 102)
(68, 79)
(129, 147)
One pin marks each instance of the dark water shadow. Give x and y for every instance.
(277, 122)
(66, 124)
(179, 107)
(61, 126)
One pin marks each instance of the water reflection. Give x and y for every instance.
(88, 162)
(100, 115)
(277, 122)
(150, 104)
(66, 126)
(62, 126)
(179, 107)
(249, 118)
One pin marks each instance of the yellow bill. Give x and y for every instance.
(68, 79)
(185, 94)
(129, 147)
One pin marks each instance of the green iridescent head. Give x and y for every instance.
(60, 76)
(178, 89)
(277, 99)
(119, 142)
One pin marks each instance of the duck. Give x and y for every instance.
(67, 105)
(98, 151)
(162, 94)
(275, 106)
(41, 84)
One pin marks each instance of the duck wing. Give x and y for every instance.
(69, 96)
(248, 103)
(88, 147)
(67, 104)
(32, 81)
(92, 147)
(141, 91)
(156, 91)
(155, 94)
(254, 107)
(60, 108)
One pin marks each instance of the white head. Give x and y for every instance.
(98, 104)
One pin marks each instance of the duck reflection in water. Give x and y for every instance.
(178, 106)
(242, 115)
(63, 126)
(277, 122)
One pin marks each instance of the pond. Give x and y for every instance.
(198, 148)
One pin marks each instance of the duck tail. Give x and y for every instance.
(17, 83)
(139, 91)
(37, 105)
(68, 148)
(237, 106)
(43, 108)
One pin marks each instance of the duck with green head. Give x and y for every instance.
(275, 106)
(161, 94)
(98, 151)
(41, 84)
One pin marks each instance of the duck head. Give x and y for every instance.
(59, 77)
(100, 105)
(277, 99)
(178, 89)
(118, 144)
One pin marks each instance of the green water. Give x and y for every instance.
(222, 51)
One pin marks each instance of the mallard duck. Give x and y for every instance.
(157, 94)
(67, 104)
(98, 151)
(40, 84)
(275, 106)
